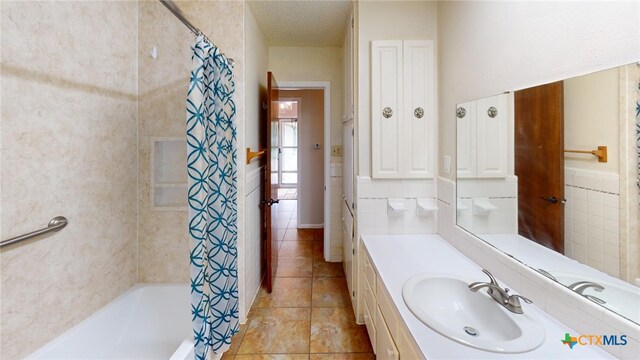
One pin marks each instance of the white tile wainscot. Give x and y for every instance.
(395, 258)
(373, 199)
(592, 219)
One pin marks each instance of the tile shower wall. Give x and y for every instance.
(592, 219)
(163, 239)
(69, 88)
(576, 312)
(501, 193)
(373, 216)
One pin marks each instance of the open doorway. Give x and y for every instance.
(312, 132)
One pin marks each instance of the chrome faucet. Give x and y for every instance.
(547, 274)
(500, 295)
(581, 286)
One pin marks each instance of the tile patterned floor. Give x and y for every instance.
(309, 314)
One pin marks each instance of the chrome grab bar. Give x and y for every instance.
(55, 224)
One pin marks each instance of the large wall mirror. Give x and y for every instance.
(550, 176)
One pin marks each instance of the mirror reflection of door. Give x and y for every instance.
(539, 164)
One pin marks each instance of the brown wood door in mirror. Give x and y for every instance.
(539, 164)
(270, 185)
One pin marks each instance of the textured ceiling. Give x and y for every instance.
(302, 23)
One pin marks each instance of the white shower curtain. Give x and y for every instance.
(213, 213)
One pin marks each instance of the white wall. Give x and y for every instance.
(249, 248)
(313, 64)
(591, 117)
(486, 48)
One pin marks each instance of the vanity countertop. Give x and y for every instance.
(398, 257)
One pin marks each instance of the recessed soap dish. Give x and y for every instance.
(426, 207)
(396, 207)
(482, 206)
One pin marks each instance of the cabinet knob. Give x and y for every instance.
(387, 112)
(492, 112)
(418, 112)
(461, 112)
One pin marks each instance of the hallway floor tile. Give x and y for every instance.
(309, 314)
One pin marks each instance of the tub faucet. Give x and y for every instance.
(500, 295)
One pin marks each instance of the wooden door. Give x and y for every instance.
(539, 164)
(270, 186)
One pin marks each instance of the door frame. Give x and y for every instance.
(326, 86)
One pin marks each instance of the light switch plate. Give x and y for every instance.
(447, 164)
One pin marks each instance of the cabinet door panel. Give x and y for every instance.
(386, 92)
(385, 347)
(347, 250)
(492, 132)
(466, 139)
(419, 138)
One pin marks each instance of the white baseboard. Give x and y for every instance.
(310, 226)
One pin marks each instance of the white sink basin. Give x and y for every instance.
(445, 304)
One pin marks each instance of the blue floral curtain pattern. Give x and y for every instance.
(213, 212)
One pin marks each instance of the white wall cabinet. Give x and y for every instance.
(403, 127)
(483, 137)
(348, 100)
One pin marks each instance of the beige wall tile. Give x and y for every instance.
(68, 148)
(163, 236)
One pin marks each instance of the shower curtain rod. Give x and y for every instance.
(177, 13)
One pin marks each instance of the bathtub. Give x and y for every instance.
(146, 322)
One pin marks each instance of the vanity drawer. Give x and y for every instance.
(369, 271)
(369, 322)
(407, 346)
(369, 296)
(386, 347)
(386, 306)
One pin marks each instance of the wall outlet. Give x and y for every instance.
(336, 150)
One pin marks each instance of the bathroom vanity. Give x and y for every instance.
(388, 261)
